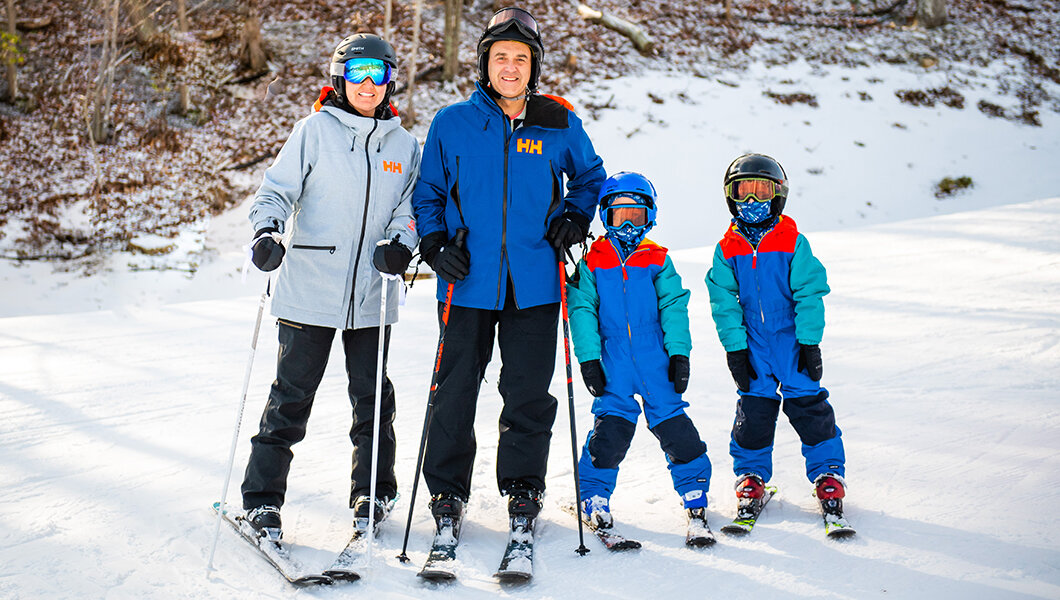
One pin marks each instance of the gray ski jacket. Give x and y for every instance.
(345, 182)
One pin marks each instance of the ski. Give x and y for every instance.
(748, 511)
(835, 524)
(610, 537)
(517, 564)
(699, 534)
(274, 553)
(442, 557)
(343, 567)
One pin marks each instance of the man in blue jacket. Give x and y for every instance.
(494, 164)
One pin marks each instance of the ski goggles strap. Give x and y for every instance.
(522, 18)
(356, 70)
(755, 189)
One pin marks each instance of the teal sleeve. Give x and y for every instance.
(583, 309)
(809, 284)
(725, 306)
(673, 310)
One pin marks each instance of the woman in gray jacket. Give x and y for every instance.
(342, 188)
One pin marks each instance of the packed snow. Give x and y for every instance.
(122, 388)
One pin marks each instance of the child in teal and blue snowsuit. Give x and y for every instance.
(629, 320)
(766, 296)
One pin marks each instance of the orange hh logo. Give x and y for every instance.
(391, 166)
(528, 146)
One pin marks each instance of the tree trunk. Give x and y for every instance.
(931, 13)
(454, 14)
(252, 50)
(141, 19)
(182, 23)
(410, 108)
(388, 17)
(103, 92)
(728, 10)
(12, 73)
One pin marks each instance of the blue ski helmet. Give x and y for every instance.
(631, 185)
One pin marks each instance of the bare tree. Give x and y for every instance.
(931, 13)
(454, 13)
(11, 55)
(99, 121)
(251, 48)
(182, 23)
(728, 10)
(388, 17)
(410, 109)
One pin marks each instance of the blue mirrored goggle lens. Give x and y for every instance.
(359, 69)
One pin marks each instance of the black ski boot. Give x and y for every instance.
(448, 511)
(524, 504)
(265, 522)
(360, 511)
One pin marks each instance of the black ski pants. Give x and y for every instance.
(300, 366)
(527, 341)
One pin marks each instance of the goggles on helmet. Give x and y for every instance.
(520, 17)
(357, 70)
(752, 190)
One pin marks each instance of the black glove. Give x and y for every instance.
(266, 253)
(449, 260)
(593, 376)
(679, 372)
(810, 361)
(391, 256)
(567, 229)
(741, 369)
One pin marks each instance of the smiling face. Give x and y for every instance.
(365, 96)
(509, 67)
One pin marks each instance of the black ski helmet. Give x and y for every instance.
(363, 45)
(758, 165)
(517, 25)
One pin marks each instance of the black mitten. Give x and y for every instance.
(679, 372)
(266, 253)
(810, 361)
(593, 376)
(391, 256)
(741, 369)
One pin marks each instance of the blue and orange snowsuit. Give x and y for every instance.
(632, 315)
(769, 299)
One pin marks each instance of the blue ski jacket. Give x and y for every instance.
(625, 309)
(778, 286)
(505, 187)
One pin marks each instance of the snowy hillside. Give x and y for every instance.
(940, 354)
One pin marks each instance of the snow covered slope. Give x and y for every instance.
(940, 353)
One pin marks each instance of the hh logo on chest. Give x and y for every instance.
(528, 146)
(391, 166)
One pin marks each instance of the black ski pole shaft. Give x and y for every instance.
(582, 550)
(458, 241)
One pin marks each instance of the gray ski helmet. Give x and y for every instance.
(363, 45)
(517, 25)
(758, 166)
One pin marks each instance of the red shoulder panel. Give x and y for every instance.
(734, 244)
(601, 255)
(782, 238)
(647, 254)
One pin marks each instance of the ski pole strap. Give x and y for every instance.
(401, 289)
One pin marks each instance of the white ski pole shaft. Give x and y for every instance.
(378, 411)
(235, 434)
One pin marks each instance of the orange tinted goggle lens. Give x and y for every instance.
(742, 190)
(638, 215)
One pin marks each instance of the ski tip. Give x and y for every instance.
(342, 575)
(842, 533)
(513, 576)
(737, 530)
(701, 542)
(311, 580)
(437, 576)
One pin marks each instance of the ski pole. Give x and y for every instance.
(458, 241)
(378, 411)
(239, 421)
(582, 550)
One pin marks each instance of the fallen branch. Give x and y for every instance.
(641, 40)
(31, 24)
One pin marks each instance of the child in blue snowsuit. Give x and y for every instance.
(629, 320)
(766, 289)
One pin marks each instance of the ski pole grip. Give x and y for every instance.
(459, 237)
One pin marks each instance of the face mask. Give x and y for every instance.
(753, 212)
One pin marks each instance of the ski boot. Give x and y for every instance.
(830, 490)
(360, 511)
(597, 511)
(265, 522)
(750, 489)
(524, 504)
(448, 511)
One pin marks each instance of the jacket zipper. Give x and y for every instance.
(364, 219)
(754, 267)
(504, 221)
(330, 249)
(625, 303)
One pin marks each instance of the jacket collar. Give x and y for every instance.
(362, 126)
(541, 111)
